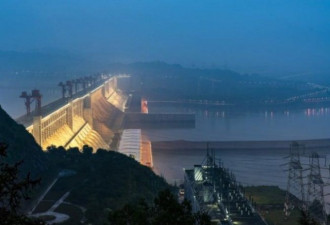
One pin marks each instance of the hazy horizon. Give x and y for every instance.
(265, 37)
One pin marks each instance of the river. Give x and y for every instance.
(224, 123)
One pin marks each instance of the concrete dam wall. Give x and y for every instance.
(87, 120)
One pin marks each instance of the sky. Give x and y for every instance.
(277, 37)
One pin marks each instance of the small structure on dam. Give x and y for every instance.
(213, 189)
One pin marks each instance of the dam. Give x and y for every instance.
(90, 118)
(95, 116)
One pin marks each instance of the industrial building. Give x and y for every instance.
(213, 189)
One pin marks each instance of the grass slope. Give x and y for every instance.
(270, 203)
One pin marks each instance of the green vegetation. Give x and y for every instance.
(99, 183)
(46, 218)
(12, 191)
(266, 195)
(307, 219)
(43, 206)
(270, 203)
(102, 184)
(102, 181)
(276, 216)
(165, 210)
(75, 213)
(21, 145)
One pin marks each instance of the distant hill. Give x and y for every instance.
(161, 81)
(21, 145)
(321, 78)
(156, 80)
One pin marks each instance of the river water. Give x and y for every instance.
(228, 123)
(223, 123)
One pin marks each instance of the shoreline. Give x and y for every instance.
(238, 145)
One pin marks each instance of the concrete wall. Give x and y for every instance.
(77, 119)
(142, 120)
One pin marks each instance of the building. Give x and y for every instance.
(213, 189)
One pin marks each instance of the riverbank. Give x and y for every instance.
(239, 145)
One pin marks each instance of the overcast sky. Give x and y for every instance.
(262, 36)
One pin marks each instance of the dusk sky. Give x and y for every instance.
(277, 37)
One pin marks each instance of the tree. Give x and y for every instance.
(307, 219)
(166, 210)
(12, 191)
(88, 151)
(56, 150)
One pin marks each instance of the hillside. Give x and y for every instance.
(21, 145)
(94, 183)
(91, 185)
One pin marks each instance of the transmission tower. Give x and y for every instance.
(315, 192)
(295, 185)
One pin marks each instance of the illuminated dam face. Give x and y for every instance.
(88, 120)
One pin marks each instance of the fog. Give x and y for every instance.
(271, 37)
